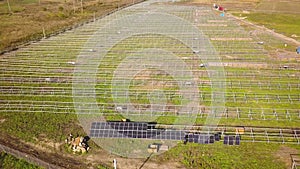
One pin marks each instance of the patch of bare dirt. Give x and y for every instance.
(283, 154)
(216, 21)
(213, 25)
(129, 163)
(48, 146)
(233, 39)
(2, 120)
(57, 158)
(286, 55)
(240, 64)
(228, 4)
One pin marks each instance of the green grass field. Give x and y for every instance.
(248, 156)
(29, 20)
(8, 161)
(287, 24)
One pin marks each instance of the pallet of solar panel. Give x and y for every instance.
(217, 136)
(229, 140)
(226, 140)
(237, 140)
(211, 139)
(196, 138)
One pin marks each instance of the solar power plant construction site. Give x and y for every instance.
(160, 72)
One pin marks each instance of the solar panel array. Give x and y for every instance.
(200, 138)
(132, 130)
(232, 140)
(140, 130)
(230, 135)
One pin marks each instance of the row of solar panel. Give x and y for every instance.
(166, 135)
(200, 138)
(142, 130)
(232, 140)
(150, 134)
(120, 125)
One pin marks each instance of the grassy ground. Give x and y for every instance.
(230, 4)
(287, 24)
(247, 156)
(279, 6)
(38, 126)
(27, 20)
(8, 162)
(279, 15)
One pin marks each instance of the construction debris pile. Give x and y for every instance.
(78, 144)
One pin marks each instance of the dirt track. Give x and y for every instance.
(16, 147)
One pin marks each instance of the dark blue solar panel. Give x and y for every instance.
(168, 134)
(135, 134)
(93, 125)
(190, 138)
(206, 138)
(211, 139)
(102, 125)
(144, 134)
(105, 133)
(226, 140)
(163, 136)
(144, 131)
(237, 140)
(196, 138)
(217, 136)
(174, 135)
(231, 140)
(203, 139)
(126, 125)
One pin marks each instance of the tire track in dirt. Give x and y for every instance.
(17, 148)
